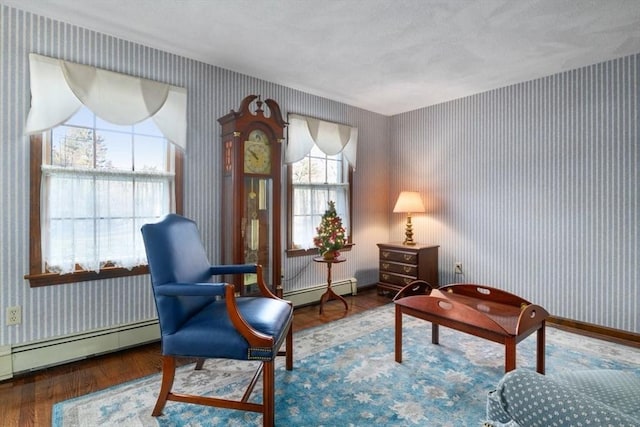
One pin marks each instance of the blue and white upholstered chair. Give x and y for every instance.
(202, 319)
(595, 397)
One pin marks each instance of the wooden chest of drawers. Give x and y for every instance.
(401, 264)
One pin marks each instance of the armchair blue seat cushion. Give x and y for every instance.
(594, 397)
(195, 338)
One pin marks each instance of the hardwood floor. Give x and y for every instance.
(27, 400)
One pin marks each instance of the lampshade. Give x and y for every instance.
(410, 202)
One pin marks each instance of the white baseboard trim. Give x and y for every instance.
(313, 294)
(55, 351)
(49, 352)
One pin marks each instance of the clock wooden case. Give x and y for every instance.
(251, 191)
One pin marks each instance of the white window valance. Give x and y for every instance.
(59, 88)
(331, 138)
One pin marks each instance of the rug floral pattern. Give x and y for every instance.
(345, 375)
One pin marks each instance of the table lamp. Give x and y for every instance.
(409, 202)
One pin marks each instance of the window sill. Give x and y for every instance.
(313, 251)
(47, 279)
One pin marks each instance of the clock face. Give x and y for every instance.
(257, 153)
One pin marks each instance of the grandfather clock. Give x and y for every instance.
(251, 177)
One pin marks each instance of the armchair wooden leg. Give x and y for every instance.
(289, 344)
(168, 373)
(268, 399)
(199, 363)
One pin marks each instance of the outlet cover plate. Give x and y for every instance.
(14, 315)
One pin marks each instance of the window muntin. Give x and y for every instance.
(99, 183)
(314, 181)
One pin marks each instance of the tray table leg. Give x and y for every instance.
(398, 334)
(435, 333)
(540, 349)
(510, 354)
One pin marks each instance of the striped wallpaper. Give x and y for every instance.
(533, 187)
(212, 92)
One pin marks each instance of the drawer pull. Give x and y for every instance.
(407, 281)
(385, 276)
(407, 269)
(385, 265)
(385, 254)
(407, 257)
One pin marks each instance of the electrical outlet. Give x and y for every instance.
(457, 268)
(14, 315)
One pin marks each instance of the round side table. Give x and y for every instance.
(329, 294)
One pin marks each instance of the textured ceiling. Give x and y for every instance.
(386, 56)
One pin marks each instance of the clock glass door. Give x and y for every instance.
(258, 229)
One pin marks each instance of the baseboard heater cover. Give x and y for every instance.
(6, 367)
(312, 294)
(55, 351)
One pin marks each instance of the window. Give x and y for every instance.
(94, 184)
(312, 182)
(321, 157)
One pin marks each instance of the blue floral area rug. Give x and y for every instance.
(345, 374)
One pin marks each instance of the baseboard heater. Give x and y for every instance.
(312, 294)
(55, 351)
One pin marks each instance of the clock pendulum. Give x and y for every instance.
(254, 226)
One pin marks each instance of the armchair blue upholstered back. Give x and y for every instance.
(176, 255)
(177, 252)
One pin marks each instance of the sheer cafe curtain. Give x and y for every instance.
(315, 198)
(92, 216)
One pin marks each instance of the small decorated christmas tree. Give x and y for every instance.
(330, 237)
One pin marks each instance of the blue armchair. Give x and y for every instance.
(202, 319)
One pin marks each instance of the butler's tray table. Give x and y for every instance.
(478, 310)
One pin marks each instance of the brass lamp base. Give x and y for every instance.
(408, 233)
